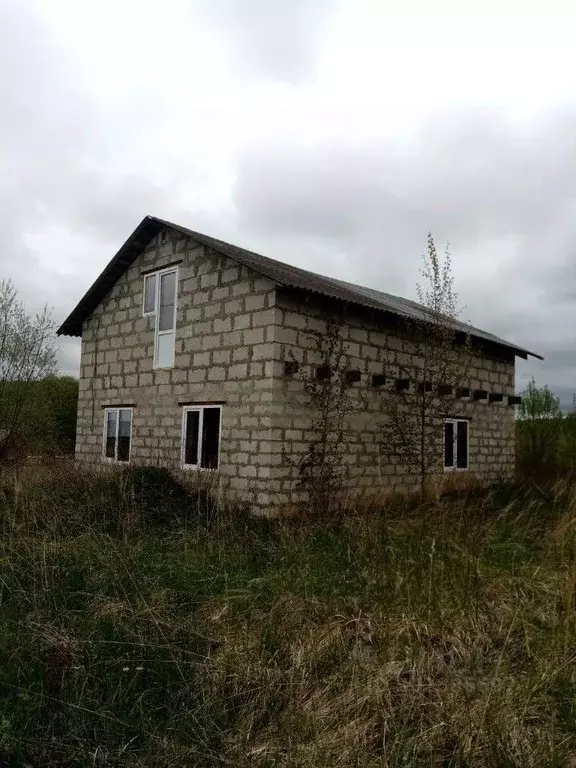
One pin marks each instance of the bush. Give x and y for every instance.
(546, 449)
(165, 502)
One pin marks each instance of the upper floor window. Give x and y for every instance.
(150, 294)
(159, 301)
(455, 444)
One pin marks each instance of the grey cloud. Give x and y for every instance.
(504, 198)
(276, 39)
(108, 204)
(44, 127)
(55, 174)
(69, 355)
(467, 175)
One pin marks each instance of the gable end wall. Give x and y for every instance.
(224, 353)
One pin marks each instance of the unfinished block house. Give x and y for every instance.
(193, 352)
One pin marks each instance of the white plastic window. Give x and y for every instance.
(159, 301)
(149, 306)
(117, 433)
(201, 437)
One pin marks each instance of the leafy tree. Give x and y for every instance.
(27, 354)
(539, 403)
(414, 432)
(539, 429)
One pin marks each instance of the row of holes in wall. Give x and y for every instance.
(402, 385)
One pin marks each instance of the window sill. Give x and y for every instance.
(195, 468)
(455, 469)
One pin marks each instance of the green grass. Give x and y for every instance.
(439, 636)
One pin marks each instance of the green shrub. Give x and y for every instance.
(165, 502)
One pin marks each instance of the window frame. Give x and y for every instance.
(171, 331)
(155, 313)
(454, 467)
(114, 459)
(147, 277)
(186, 409)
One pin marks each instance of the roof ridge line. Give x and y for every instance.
(278, 272)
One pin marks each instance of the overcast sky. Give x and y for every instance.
(332, 134)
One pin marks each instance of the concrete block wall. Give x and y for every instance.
(372, 349)
(234, 331)
(224, 354)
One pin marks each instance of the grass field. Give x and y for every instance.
(132, 634)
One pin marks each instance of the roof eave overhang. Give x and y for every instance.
(518, 351)
(123, 259)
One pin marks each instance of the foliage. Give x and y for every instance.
(163, 501)
(443, 636)
(49, 415)
(27, 354)
(539, 403)
(414, 432)
(545, 440)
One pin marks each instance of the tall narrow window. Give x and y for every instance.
(462, 445)
(210, 438)
(165, 325)
(117, 433)
(111, 432)
(455, 444)
(159, 301)
(448, 444)
(191, 437)
(201, 437)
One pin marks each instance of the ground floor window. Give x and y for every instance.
(455, 444)
(201, 437)
(117, 433)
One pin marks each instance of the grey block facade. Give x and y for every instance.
(235, 329)
(372, 350)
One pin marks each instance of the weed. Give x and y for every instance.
(136, 631)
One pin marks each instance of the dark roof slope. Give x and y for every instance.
(280, 273)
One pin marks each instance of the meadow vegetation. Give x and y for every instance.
(145, 625)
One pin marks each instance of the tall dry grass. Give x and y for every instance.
(443, 635)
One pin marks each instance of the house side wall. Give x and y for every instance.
(224, 354)
(373, 350)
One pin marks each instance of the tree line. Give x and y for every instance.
(545, 434)
(37, 405)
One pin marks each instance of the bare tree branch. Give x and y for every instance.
(332, 403)
(27, 353)
(414, 432)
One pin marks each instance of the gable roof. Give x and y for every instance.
(281, 274)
